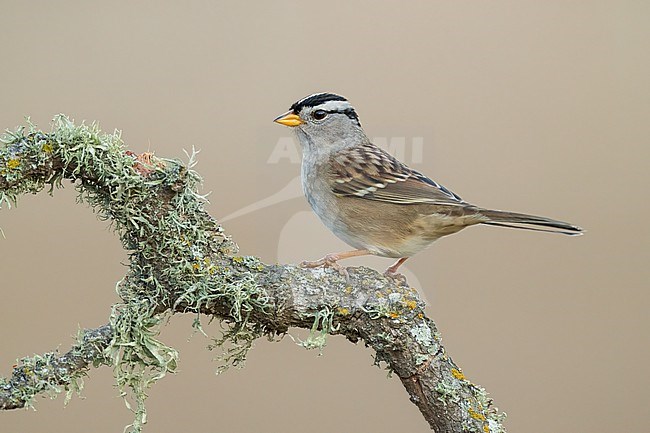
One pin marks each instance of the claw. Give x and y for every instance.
(392, 273)
(329, 261)
(400, 279)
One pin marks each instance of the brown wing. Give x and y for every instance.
(371, 173)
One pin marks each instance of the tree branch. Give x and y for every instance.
(43, 373)
(181, 261)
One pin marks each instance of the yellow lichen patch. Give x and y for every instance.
(476, 415)
(238, 259)
(344, 311)
(411, 304)
(486, 428)
(393, 314)
(420, 315)
(348, 290)
(196, 266)
(13, 163)
(47, 148)
(457, 374)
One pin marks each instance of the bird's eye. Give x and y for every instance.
(319, 114)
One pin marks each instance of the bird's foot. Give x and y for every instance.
(392, 273)
(395, 276)
(329, 261)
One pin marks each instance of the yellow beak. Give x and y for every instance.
(288, 119)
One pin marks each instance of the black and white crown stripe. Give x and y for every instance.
(334, 106)
(315, 100)
(328, 102)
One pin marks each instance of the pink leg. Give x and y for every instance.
(391, 272)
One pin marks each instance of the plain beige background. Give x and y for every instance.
(533, 106)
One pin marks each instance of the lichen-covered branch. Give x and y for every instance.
(52, 373)
(182, 262)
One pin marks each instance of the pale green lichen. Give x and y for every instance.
(20, 150)
(36, 376)
(422, 334)
(154, 206)
(139, 359)
(496, 425)
(481, 415)
(398, 305)
(52, 373)
(321, 327)
(447, 392)
(235, 342)
(495, 418)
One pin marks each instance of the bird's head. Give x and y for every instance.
(324, 121)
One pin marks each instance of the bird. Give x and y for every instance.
(372, 201)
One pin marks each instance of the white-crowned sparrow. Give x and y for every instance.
(374, 202)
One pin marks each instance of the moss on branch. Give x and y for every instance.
(52, 373)
(180, 261)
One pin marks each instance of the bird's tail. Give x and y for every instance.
(528, 222)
